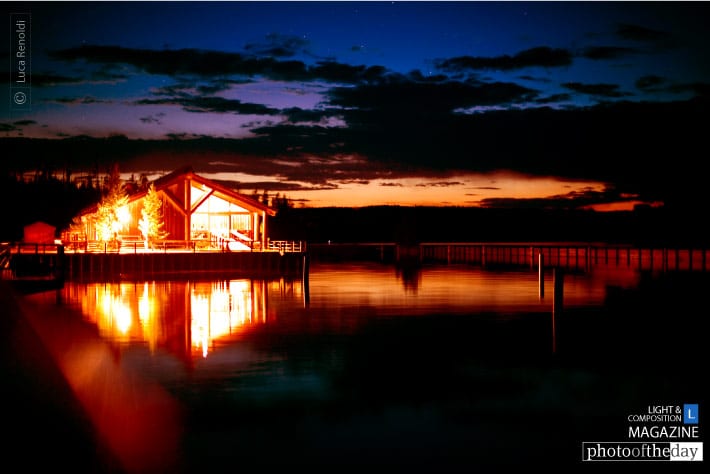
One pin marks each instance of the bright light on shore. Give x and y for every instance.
(124, 215)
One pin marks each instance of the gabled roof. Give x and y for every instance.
(186, 172)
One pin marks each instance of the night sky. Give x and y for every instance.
(497, 104)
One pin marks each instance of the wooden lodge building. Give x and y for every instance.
(197, 213)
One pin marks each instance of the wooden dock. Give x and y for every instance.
(141, 266)
(28, 264)
(569, 255)
(577, 256)
(42, 265)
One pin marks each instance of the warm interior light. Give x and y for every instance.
(124, 215)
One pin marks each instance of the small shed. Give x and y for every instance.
(39, 233)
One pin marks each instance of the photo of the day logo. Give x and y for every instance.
(690, 414)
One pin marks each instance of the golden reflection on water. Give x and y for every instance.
(168, 315)
(193, 321)
(188, 318)
(457, 289)
(220, 309)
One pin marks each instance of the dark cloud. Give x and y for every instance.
(176, 136)
(417, 76)
(256, 186)
(153, 119)
(180, 89)
(391, 185)
(607, 52)
(186, 89)
(570, 201)
(554, 99)
(699, 89)
(278, 45)
(440, 184)
(404, 121)
(257, 124)
(297, 114)
(108, 76)
(23, 123)
(206, 64)
(599, 90)
(492, 188)
(95, 77)
(219, 85)
(526, 77)
(610, 143)
(648, 82)
(606, 143)
(212, 104)
(429, 99)
(168, 62)
(78, 100)
(48, 80)
(654, 84)
(542, 56)
(641, 33)
(340, 72)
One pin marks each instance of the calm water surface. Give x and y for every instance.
(440, 368)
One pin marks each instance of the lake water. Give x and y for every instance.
(440, 368)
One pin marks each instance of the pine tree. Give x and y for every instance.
(151, 222)
(108, 222)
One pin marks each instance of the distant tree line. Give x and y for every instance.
(276, 202)
(44, 197)
(56, 199)
(401, 224)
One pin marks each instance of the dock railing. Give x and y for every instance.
(579, 256)
(286, 246)
(25, 260)
(165, 246)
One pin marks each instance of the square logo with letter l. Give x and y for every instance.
(690, 414)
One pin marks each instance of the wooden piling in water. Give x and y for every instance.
(557, 289)
(690, 259)
(541, 275)
(305, 280)
(557, 301)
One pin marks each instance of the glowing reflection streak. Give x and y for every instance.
(152, 312)
(144, 306)
(219, 309)
(200, 327)
(138, 420)
(122, 316)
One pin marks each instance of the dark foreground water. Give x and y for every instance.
(432, 369)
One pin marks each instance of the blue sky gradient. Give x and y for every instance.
(444, 103)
